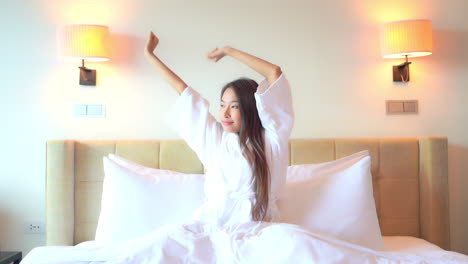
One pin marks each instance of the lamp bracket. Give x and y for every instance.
(403, 65)
(401, 71)
(87, 76)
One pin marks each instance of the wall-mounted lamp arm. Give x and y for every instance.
(401, 71)
(87, 76)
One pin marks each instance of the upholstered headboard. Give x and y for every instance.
(409, 178)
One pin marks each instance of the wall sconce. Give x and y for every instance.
(406, 38)
(85, 42)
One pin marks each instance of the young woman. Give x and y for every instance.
(246, 153)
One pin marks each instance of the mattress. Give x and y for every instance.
(413, 245)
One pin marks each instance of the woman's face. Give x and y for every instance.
(229, 112)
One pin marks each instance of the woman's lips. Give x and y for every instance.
(227, 123)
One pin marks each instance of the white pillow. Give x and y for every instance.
(138, 168)
(139, 200)
(335, 198)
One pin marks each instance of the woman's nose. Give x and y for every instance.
(226, 112)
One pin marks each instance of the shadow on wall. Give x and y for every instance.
(5, 222)
(2, 228)
(449, 47)
(458, 180)
(123, 48)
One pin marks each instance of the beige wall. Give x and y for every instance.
(328, 49)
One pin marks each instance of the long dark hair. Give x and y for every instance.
(252, 143)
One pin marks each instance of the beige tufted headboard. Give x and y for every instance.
(409, 177)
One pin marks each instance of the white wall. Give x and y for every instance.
(328, 49)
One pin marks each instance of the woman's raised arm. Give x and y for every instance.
(168, 75)
(270, 71)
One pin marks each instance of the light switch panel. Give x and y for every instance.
(89, 110)
(79, 110)
(95, 110)
(395, 107)
(411, 107)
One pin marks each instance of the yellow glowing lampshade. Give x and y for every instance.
(85, 42)
(412, 38)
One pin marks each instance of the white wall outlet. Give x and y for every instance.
(34, 227)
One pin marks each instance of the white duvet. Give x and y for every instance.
(249, 243)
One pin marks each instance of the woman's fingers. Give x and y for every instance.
(215, 55)
(154, 39)
(212, 53)
(152, 42)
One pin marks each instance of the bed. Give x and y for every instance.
(409, 175)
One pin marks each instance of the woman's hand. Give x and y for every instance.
(269, 70)
(151, 43)
(167, 74)
(217, 54)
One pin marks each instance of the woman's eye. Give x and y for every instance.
(235, 106)
(221, 106)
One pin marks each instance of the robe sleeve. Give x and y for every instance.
(274, 104)
(196, 125)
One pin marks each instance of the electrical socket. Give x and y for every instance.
(34, 227)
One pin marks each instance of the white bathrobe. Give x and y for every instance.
(228, 184)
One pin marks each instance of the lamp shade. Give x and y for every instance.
(408, 37)
(84, 42)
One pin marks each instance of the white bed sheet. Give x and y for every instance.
(391, 243)
(405, 244)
